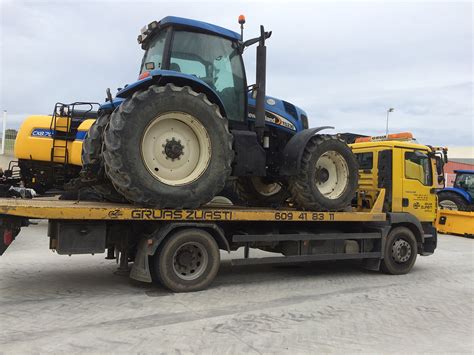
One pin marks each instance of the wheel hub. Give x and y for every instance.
(173, 149)
(176, 148)
(322, 175)
(190, 261)
(331, 175)
(401, 251)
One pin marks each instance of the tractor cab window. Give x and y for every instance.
(153, 58)
(418, 167)
(215, 61)
(465, 181)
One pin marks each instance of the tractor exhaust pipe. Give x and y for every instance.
(260, 84)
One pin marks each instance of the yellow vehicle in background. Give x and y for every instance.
(48, 148)
(411, 175)
(409, 172)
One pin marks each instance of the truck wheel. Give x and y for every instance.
(258, 191)
(452, 201)
(328, 176)
(187, 261)
(168, 147)
(92, 161)
(400, 251)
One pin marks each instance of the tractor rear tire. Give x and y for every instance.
(255, 191)
(168, 147)
(328, 176)
(92, 161)
(452, 201)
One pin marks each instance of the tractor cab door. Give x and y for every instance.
(216, 61)
(419, 197)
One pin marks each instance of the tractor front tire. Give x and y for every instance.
(328, 176)
(168, 147)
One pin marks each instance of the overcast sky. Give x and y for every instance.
(345, 63)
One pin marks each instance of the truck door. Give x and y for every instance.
(418, 195)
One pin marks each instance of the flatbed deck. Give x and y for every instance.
(53, 208)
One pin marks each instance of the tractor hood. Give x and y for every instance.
(280, 113)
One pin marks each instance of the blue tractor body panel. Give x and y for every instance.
(460, 192)
(170, 76)
(279, 114)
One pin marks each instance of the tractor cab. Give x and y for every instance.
(210, 55)
(207, 55)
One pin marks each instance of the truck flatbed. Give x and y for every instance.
(170, 245)
(53, 208)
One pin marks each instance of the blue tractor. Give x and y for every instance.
(461, 195)
(191, 124)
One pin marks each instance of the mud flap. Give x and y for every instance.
(7, 237)
(141, 268)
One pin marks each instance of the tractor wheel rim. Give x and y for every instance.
(176, 148)
(265, 189)
(190, 261)
(448, 205)
(401, 251)
(332, 174)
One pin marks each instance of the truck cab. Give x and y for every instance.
(407, 170)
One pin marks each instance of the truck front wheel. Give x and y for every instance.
(400, 251)
(187, 261)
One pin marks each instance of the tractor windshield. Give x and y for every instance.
(217, 62)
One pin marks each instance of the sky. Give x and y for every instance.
(344, 63)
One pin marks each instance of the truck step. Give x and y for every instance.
(305, 258)
(303, 236)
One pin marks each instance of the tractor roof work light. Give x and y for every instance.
(146, 31)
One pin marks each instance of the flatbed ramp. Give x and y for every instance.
(53, 208)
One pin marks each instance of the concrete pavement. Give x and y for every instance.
(76, 304)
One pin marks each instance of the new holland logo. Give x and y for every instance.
(275, 119)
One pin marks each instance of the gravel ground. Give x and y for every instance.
(61, 304)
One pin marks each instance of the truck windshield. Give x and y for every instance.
(217, 62)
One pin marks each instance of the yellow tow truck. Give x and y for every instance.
(390, 223)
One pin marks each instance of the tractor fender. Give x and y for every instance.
(163, 77)
(458, 191)
(293, 151)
